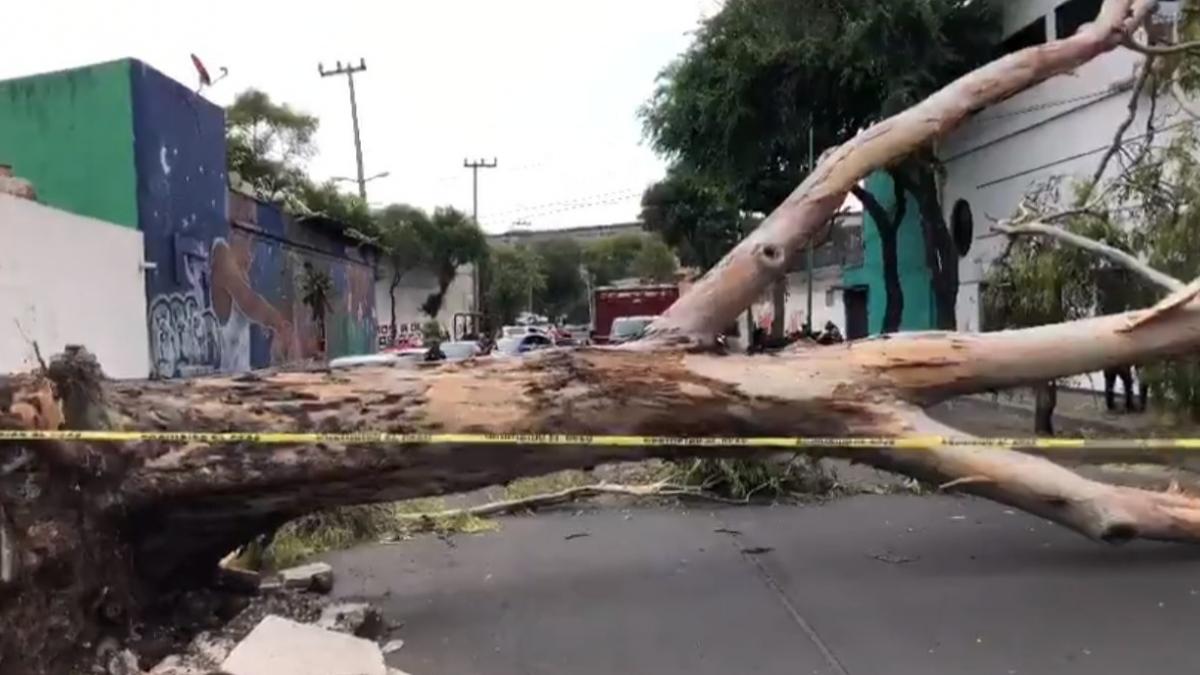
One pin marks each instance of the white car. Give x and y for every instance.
(519, 346)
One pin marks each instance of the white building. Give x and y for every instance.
(1059, 128)
(69, 279)
(414, 288)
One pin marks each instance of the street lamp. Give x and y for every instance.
(381, 174)
(362, 185)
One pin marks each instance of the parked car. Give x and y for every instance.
(387, 359)
(629, 328)
(454, 351)
(518, 346)
(461, 350)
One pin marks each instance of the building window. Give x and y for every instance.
(1030, 36)
(962, 227)
(1074, 13)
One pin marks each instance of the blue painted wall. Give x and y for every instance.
(179, 155)
(226, 271)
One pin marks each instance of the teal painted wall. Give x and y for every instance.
(71, 134)
(920, 312)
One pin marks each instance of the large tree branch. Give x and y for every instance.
(1160, 50)
(1112, 253)
(746, 271)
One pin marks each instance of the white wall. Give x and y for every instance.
(414, 288)
(1059, 128)
(66, 279)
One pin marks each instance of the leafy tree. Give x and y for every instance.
(268, 144)
(316, 287)
(398, 231)
(514, 274)
(565, 291)
(766, 80)
(328, 200)
(613, 258)
(700, 221)
(451, 239)
(654, 262)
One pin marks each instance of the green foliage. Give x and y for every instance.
(513, 275)
(565, 289)
(316, 288)
(268, 144)
(329, 201)
(737, 107)
(1042, 281)
(699, 221)
(452, 239)
(620, 257)
(344, 527)
(765, 478)
(654, 262)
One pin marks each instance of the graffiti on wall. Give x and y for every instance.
(207, 327)
(184, 332)
(243, 309)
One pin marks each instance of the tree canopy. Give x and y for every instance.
(738, 106)
(451, 239)
(699, 220)
(514, 275)
(564, 293)
(268, 144)
(768, 85)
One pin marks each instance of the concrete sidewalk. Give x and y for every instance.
(884, 584)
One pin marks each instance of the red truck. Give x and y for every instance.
(636, 305)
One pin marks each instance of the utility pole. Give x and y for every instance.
(808, 315)
(349, 70)
(475, 166)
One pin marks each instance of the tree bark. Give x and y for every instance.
(779, 305)
(941, 254)
(392, 296)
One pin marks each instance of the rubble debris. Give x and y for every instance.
(316, 577)
(123, 662)
(279, 645)
(393, 646)
(355, 618)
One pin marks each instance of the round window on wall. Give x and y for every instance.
(962, 227)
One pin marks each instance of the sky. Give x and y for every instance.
(549, 88)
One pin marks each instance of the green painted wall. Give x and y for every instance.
(920, 312)
(71, 134)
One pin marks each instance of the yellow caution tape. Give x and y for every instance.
(782, 442)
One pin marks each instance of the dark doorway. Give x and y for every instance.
(855, 300)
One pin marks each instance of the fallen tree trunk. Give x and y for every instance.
(90, 532)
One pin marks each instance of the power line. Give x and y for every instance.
(533, 208)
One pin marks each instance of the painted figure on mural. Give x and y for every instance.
(238, 306)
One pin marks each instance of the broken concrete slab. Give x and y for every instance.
(393, 646)
(317, 577)
(279, 645)
(355, 618)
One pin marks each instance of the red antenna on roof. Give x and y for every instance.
(206, 79)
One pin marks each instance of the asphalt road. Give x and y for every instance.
(893, 585)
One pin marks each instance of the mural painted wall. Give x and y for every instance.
(920, 312)
(223, 289)
(71, 134)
